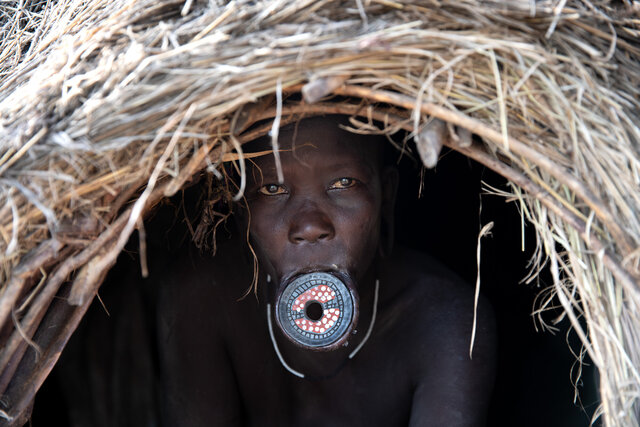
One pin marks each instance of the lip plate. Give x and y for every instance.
(344, 300)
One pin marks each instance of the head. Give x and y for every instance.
(328, 213)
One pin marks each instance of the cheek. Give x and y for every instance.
(361, 228)
(265, 226)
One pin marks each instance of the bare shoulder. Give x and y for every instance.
(436, 308)
(193, 275)
(432, 310)
(421, 279)
(193, 323)
(199, 292)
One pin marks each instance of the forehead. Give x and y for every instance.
(321, 138)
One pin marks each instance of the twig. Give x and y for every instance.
(43, 254)
(515, 146)
(501, 168)
(486, 230)
(275, 131)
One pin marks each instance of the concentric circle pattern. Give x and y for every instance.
(315, 288)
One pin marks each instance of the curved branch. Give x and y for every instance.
(513, 145)
(478, 154)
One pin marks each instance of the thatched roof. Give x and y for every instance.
(108, 106)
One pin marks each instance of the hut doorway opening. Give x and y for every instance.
(535, 368)
(438, 211)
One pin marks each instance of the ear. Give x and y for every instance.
(390, 179)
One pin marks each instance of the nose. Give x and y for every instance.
(311, 226)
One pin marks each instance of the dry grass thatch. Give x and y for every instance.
(108, 106)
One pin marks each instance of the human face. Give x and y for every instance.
(326, 214)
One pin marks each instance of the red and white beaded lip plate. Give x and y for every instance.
(335, 306)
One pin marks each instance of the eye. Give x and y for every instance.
(342, 183)
(273, 190)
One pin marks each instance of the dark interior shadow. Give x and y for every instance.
(534, 384)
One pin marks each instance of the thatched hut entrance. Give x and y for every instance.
(109, 108)
(538, 374)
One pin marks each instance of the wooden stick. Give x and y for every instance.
(42, 302)
(43, 254)
(613, 264)
(514, 145)
(609, 259)
(26, 393)
(293, 112)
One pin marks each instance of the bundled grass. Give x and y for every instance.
(108, 106)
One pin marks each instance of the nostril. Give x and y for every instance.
(311, 238)
(311, 227)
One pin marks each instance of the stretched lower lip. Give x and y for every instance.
(317, 310)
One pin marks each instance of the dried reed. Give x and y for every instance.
(106, 107)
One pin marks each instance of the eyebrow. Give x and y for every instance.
(357, 164)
